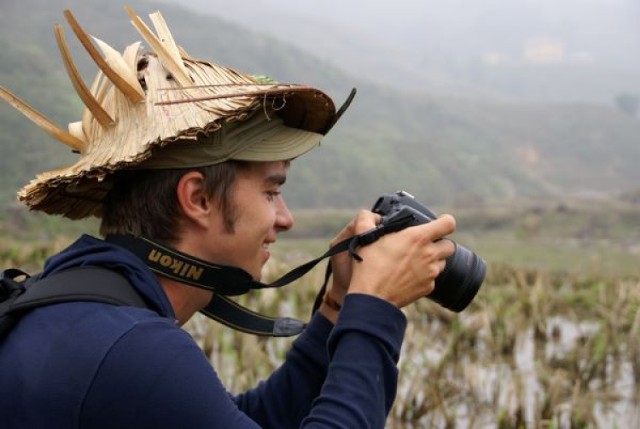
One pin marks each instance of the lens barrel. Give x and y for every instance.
(464, 271)
(460, 281)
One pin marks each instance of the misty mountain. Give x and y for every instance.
(543, 50)
(443, 149)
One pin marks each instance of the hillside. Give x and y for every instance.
(442, 149)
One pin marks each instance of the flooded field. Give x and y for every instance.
(538, 364)
(532, 351)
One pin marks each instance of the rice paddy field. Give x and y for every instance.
(533, 350)
(552, 339)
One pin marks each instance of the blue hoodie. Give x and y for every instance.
(95, 365)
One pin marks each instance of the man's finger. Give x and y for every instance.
(435, 230)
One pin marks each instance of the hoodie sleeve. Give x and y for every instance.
(285, 398)
(348, 381)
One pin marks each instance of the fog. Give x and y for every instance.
(542, 50)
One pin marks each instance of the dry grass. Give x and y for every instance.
(533, 350)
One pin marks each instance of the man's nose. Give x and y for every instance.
(284, 218)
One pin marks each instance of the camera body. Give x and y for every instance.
(400, 204)
(464, 271)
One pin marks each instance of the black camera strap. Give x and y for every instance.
(224, 281)
(227, 281)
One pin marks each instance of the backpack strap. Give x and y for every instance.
(85, 283)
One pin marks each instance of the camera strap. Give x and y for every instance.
(225, 281)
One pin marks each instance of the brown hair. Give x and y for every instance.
(144, 202)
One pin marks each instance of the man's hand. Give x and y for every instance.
(401, 267)
(342, 262)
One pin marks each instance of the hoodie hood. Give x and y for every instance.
(91, 251)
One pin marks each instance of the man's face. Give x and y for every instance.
(259, 213)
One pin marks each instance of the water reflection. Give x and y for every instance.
(474, 371)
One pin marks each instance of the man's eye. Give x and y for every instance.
(272, 194)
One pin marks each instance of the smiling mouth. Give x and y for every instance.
(265, 248)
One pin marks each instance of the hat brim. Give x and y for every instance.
(259, 138)
(286, 145)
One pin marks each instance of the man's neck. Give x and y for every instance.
(185, 300)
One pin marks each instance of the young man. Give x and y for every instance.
(191, 157)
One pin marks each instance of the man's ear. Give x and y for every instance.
(193, 200)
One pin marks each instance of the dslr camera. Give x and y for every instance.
(464, 271)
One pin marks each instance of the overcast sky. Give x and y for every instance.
(449, 44)
(603, 29)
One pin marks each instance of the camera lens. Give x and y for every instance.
(460, 281)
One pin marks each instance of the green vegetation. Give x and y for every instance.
(443, 150)
(581, 237)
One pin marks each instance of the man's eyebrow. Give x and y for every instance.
(277, 179)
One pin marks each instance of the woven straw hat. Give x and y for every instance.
(142, 104)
